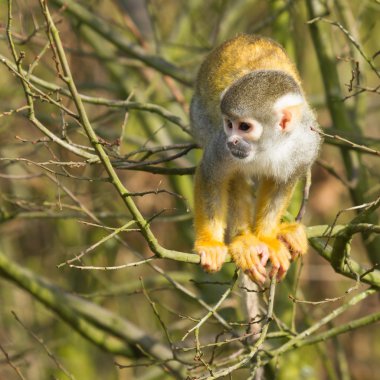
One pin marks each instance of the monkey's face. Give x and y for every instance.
(259, 111)
(242, 136)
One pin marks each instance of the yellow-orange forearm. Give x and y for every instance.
(209, 210)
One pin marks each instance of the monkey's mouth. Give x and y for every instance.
(240, 153)
(239, 148)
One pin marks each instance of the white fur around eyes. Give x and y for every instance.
(253, 135)
(257, 130)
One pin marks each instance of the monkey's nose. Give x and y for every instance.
(235, 141)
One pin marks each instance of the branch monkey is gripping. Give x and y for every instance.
(250, 115)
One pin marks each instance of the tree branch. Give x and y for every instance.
(103, 328)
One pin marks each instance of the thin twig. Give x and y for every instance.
(350, 38)
(97, 244)
(105, 160)
(255, 348)
(13, 366)
(115, 267)
(217, 305)
(349, 143)
(45, 347)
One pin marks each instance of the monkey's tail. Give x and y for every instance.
(252, 305)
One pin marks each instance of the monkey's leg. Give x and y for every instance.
(251, 250)
(248, 253)
(210, 209)
(240, 206)
(272, 201)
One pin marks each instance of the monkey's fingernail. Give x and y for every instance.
(261, 269)
(264, 259)
(281, 273)
(260, 281)
(257, 277)
(274, 272)
(296, 255)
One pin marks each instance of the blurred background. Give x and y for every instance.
(135, 61)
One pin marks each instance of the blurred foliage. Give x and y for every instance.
(135, 61)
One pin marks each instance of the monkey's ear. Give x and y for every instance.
(288, 109)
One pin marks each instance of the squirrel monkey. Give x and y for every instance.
(250, 115)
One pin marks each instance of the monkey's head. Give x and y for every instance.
(259, 110)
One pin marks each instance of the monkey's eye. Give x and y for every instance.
(244, 127)
(229, 124)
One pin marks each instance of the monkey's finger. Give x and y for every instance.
(213, 259)
(264, 255)
(284, 257)
(275, 269)
(249, 262)
(281, 274)
(207, 261)
(276, 265)
(204, 261)
(293, 236)
(256, 276)
(219, 256)
(296, 255)
(242, 258)
(253, 261)
(291, 247)
(280, 263)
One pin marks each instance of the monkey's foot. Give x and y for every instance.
(212, 253)
(293, 235)
(250, 255)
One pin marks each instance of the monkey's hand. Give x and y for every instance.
(212, 253)
(250, 255)
(293, 235)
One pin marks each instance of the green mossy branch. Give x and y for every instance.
(106, 330)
